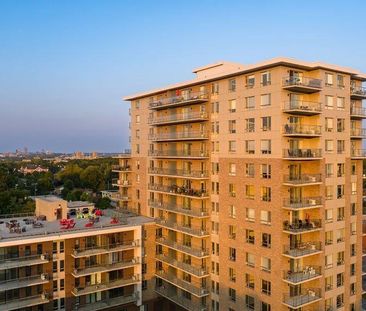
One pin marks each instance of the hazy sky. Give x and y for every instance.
(64, 65)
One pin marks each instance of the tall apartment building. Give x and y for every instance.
(74, 265)
(254, 176)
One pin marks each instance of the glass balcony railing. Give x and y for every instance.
(179, 100)
(304, 297)
(302, 107)
(178, 172)
(302, 83)
(302, 179)
(304, 202)
(199, 154)
(302, 153)
(179, 118)
(302, 225)
(302, 249)
(188, 249)
(179, 190)
(302, 130)
(302, 275)
(173, 207)
(196, 135)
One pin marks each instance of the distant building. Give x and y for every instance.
(33, 169)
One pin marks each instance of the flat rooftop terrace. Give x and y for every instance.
(44, 228)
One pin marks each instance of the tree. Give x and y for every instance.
(91, 178)
(103, 203)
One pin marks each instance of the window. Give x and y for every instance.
(232, 105)
(329, 170)
(232, 232)
(265, 306)
(328, 261)
(340, 125)
(340, 81)
(62, 284)
(329, 145)
(54, 247)
(340, 191)
(138, 119)
(266, 171)
(232, 169)
(329, 192)
(266, 287)
(266, 240)
(340, 279)
(353, 289)
(328, 283)
(232, 211)
(340, 169)
(266, 124)
(215, 107)
(215, 88)
(266, 264)
(62, 246)
(353, 188)
(250, 102)
(341, 103)
(265, 100)
(329, 124)
(250, 146)
(266, 146)
(328, 237)
(328, 79)
(232, 294)
(54, 286)
(232, 126)
(329, 102)
(340, 258)
(54, 266)
(249, 169)
(232, 254)
(340, 213)
(340, 146)
(232, 85)
(329, 215)
(353, 228)
(265, 78)
(249, 280)
(250, 214)
(250, 125)
(266, 194)
(266, 217)
(249, 302)
(249, 235)
(62, 265)
(232, 145)
(232, 275)
(249, 192)
(215, 187)
(250, 259)
(250, 81)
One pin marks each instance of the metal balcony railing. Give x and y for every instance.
(302, 179)
(179, 136)
(303, 130)
(121, 183)
(358, 153)
(16, 262)
(358, 91)
(179, 153)
(358, 132)
(196, 212)
(104, 249)
(302, 153)
(304, 202)
(186, 98)
(302, 107)
(358, 112)
(179, 190)
(121, 168)
(306, 296)
(306, 82)
(199, 232)
(302, 249)
(108, 303)
(24, 302)
(307, 273)
(196, 271)
(174, 118)
(178, 172)
(300, 225)
(196, 252)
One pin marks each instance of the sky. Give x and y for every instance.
(65, 65)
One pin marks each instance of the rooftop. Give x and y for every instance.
(226, 69)
(48, 229)
(79, 204)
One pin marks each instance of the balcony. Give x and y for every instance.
(358, 112)
(302, 203)
(178, 136)
(306, 297)
(302, 84)
(23, 303)
(179, 154)
(180, 100)
(199, 213)
(95, 288)
(195, 252)
(302, 249)
(297, 130)
(98, 268)
(121, 183)
(17, 262)
(187, 304)
(302, 154)
(359, 133)
(358, 92)
(24, 282)
(104, 249)
(188, 268)
(121, 168)
(302, 226)
(178, 173)
(358, 154)
(299, 107)
(179, 118)
(182, 228)
(124, 155)
(187, 286)
(109, 303)
(307, 274)
(302, 180)
(179, 191)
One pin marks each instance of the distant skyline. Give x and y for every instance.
(65, 65)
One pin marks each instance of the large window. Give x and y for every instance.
(265, 100)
